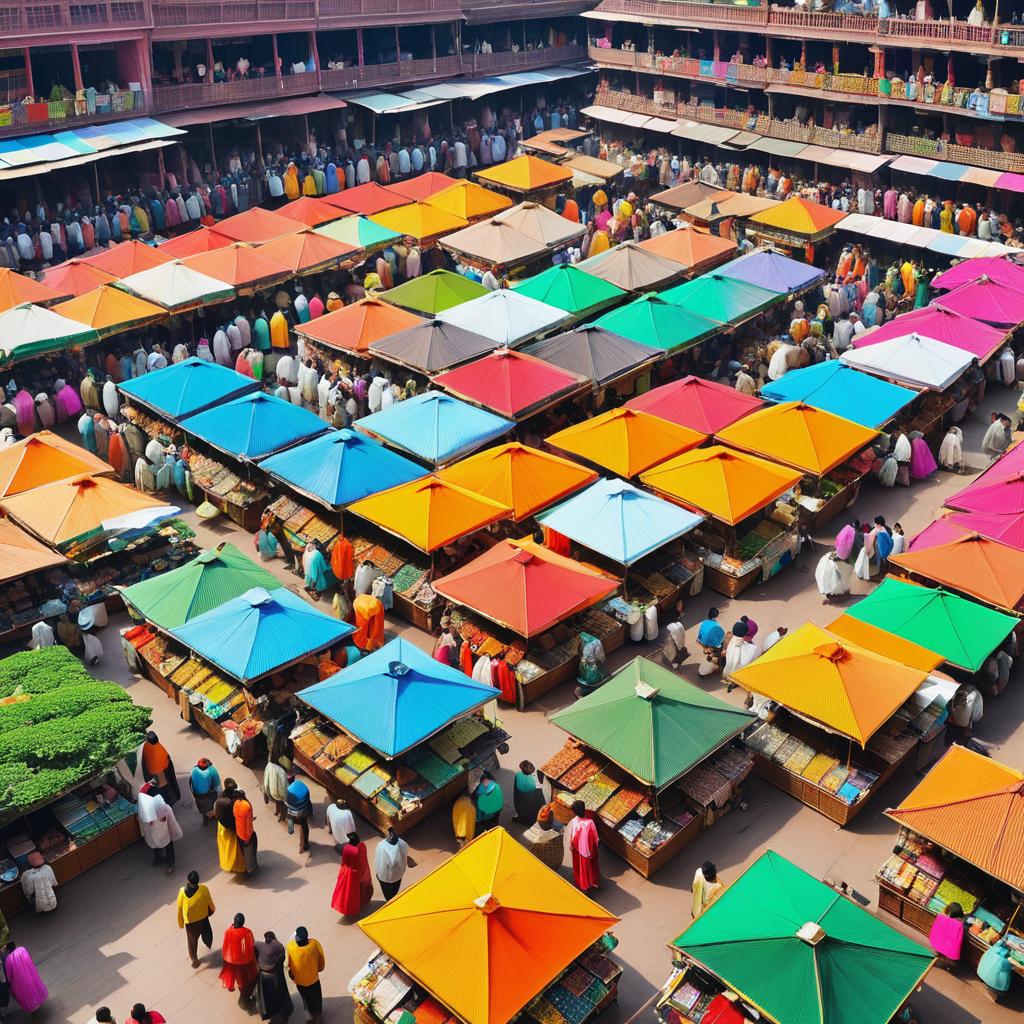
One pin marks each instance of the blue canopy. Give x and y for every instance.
(435, 427)
(619, 521)
(396, 697)
(772, 270)
(839, 389)
(341, 467)
(183, 389)
(254, 425)
(260, 632)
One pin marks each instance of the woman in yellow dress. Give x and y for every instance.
(229, 851)
(464, 819)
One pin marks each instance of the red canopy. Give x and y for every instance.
(696, 403)
(366, 199)
(421, 188)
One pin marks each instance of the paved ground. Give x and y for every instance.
(114, 938)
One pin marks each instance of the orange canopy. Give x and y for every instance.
(798, 216)
(525, 479)
(525, 174)
(127, 258)
(725, 484)
(625, 441)
(972, 806)
(694, 249)
(422, 187)
(255, 225)
(419, 221)
(306, 252)
(42, 459)
(108, 310)
(469, 201)
(203, 239)
(240, 265)
(798, 435)
(365, 199)
(354, 328)
(430, 512)
(16, 289)
(906, 652)
(974, 565)
(21, 554)
(76, 278)
(310, 211)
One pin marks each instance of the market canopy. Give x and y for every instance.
(488, 929)
(652, 723)
(619, 521)
(863, 634)
(431, 347)
(842, 391)
(524, 174)
(75, 277)
(177, 287)
(213, 577)
(202, 239)
(245, 268)
(185, 388)
(700, 404)
(912, 359)
(626, 441)
(127, 258)
(798, 435)
(847, 689)
(109, 311)
(17, 290)
(650, 320)
(468, 200)
(963, 632)
(722, 298)
(712, 209)
(1005, 527)
(995, 268)
(367, 199)
(524, 479)
(435, 427)
(358, 232)
(802, 952)
(254, 425)
(770, 269)
(986, 300)
(568, 288)
(354, 328)
(419, 221)
(506, 317)
(434, 292)
(631, 268)
(45, 458)
(979, 339)
(972, 806)
(524, 587)
(727, 485)
(799, 216)
(308, 251)
(1002, 494)
(261, 631)
(341, 467)
(430, 513)
(27, 331)
(695, 250)
(21, 554)
(309, 211)
(512, 383)
(680, 197)
(420, 188)
(541, 224)
(494, 243)
(255, 226)
(396, 697)
(595, 353)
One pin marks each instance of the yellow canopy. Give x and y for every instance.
(419, 220)
(799, 216)
(525, 174)
(109, 310)
(470, 201)
(488, 930)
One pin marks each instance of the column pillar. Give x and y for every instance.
(30, 85)
(76, 67)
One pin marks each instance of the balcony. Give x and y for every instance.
(972, 156)
(480, 64)
(478, 12)
(60, 115)
(187, 97)
(379, 75)
(171, 17)
(29, 21)
(353, 13)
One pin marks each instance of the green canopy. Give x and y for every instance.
(722, 298)
(359, 231)
(434, 292)
(963, 632)
(652, 723)
(653, 321)
(802, 953)
(211, 578)
(571, 289)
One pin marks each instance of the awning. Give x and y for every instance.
(913, 164)
(947, 171)
(11, 173)
(609, 114)
(661, 124)
(258, 110)
(636, 120)
(741, 140)
(777, 147)
(857, 223)
(713, 134)
(391, 103)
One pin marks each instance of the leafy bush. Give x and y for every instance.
(40, 671)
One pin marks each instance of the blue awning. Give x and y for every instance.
(183, 389)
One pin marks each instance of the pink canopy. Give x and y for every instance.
(997, 268)
(1005, 527)
(986, 300)
(1001, 495)
(942, 531)
(1009, 464)
(1014, 182)
(981, 340)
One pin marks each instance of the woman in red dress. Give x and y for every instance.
(355, 883)
(239, 953)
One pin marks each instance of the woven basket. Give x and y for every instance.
(549, 851)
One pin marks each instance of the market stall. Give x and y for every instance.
(255, 226)
(769, 269)
(29, 331)
(695, 250)
(396, 735)
(200, 239)
(353, 328)
(650, 320)
(989, 301)
(718, 212)
(543, 225)
(981, 340)
(956, 846)
(911, 359)
(309, 211)
(526, 179)
(430, 347)
(679, 197)
(366, 199)
(566, 287)
(496, 244)
(75, 277)
(358, 232)
(17, 289)
(427, 225)
(246, 269)
(654, 758)
(30, 576)
(109, 311)
(696, 403)
(128, 257)
(420, 188)
(996, 268)
(45, 458)
(809, 961)
(308, 252)
(531, 945)
(506, 317)
(468, 200)
(435, 292)
(794, 223)
(633, 269)
(723, 299)
(176, 287)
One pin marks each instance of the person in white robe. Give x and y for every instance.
(829, 577)
(951, 451)
(159, 826)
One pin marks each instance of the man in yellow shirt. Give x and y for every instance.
(305, 962)
(195, 907)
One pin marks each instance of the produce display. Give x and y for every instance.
(302, 524)
(220, 480)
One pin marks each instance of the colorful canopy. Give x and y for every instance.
(185, 388)
(75, 277)
(696, 403)
(568, 288)
(341, 467)
(419, 221)
(727, 485)
(798, 435)
(422, 187)
(651, 723)
(650, 320)
(524, 479)
(435, 427)
(541, 224)
(848, 689)
(1002, 494)
(799, 216)
(511, 383)
(213, 577)
(488, 929)
(963, 632)
(626, 441)
(468, 200)
(722, 298)
(44, 458)
(987, 300)
(203, 239)
(1005, 527)
(619, 521)
(495, 243)
(505, 317)
(995, 268)
(713, 209)
(1008, 465)
(434, 292)
(524, 587)
(771, 270)
(358, 232)
(127, 258)
(177, 287)
(21, 554)
(310, 211)
(919, 361)
(27, 331)
(863, 634)
(110, 311)
(254, 425)
(260, 632)
(16, 290)
(595, 353)
(939, 531)
(842, 391)
(366, 199)
(240, 265)
(682, 196)
(308, 251)
(695, 250)
(395, 698)
(973, 807)
(525, 174)
(430, 512)
(803, 953)
(431, 346)
(353, 328)
(632, 269)
(255, 226)
(979, 339)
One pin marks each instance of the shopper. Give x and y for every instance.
(299, 809)
(947, 934)
(390, 862)
(229, 851)
(204, 783)
(239, 953)
(305, 959)
(527, 796)
(489, 801)
(340, 823)
(354, 886)
(707, 887)
(583, 842)
(38, 883)
(23, 978)
(195, 908)
(160, 828)
(273, 999)
(244, 831)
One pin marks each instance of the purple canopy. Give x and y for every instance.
(772, 270)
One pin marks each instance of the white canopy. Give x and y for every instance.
(175, 286)
(505, 317)
(28, 330)
(911, 359)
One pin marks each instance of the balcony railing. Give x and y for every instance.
(389, 74)
(934, 149)
(192, 13)
(335, 13)
(184, 97)
(59, 16)
(524, 60)
(57, 115)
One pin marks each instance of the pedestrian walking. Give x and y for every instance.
(157, 765)
(160, 828)
(275, 787)
(140, 1015)
(23, 978)
(527, 796)
(229, 851)
(305, 959)
(390, 862)
(238, 951)
(299, 808)
(204, 783)
(102, 1016)
(244, 831)
(354, 886)
(340, 823)
(707, 887)
(273, 1000)
(489, 801)
(38, 883)
(583, 842)
(195, 908)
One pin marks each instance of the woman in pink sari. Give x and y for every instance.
(922, 462)
(23, 978)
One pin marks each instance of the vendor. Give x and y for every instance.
(489, 801)
(204, 782)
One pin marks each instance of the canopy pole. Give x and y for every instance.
(849, 755)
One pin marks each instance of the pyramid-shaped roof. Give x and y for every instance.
(366, 199)
(468, 200)
(21, 554)
(494, 242)
(422, 187)
(241, 266)
(594, 353)
(419, 221)
(911, 359)
(75, 277)
(987, 300)
(995, 268)
(127, 258)
(566, 287)
(632, 269)
(431, 347)
(541, 224)
(525, 174)
(505, 316)
(358, 232)
(307, 251)
(353, 328)
(27, 331)
(108, 310)
(202, 239)
(255, 226)
(17, 289)
(650, 320)
(700, 404)
(770, 269)
(799, 216)
(185, 388)
(177, 287)
(695, 250)
(434, 292)
(722, 298)
(310, 211)
(981, 340)
(44, 458)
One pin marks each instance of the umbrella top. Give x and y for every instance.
(703, 405)
(798, 216)
(434, 292)
(16, 289)
(431, 347)
(595, 353)
(127, 258)
(567, 287)
(182, 389)
(912, 359)
(651, 320)
(354, 328)
(44, 458)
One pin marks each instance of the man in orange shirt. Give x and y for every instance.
(244, 830)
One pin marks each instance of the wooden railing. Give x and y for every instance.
(191, 13)
(183, 97)
(524, 60)
(933, 149)
(29, 21)
(19, 118)
(389, 74)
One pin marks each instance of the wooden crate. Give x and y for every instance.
(537, 687)
(889, 900)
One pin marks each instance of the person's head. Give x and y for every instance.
(740, 628)
(712, 613)
(526, 767)
(301, 935)
(103, 1015)
(353, 839)
(151, 737)
(709, 871)
(238, 920)
(192, 878)
(879, 520)
(897, 527)
(271, 937)
(954, 910)
(545, 816)
(341, 805)
(486, 777)
(240, 794)
(139, 1013)
(579, 808)
(230, 785)
(782, 630)
(203, 763)
(392, 835)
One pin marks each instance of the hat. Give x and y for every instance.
(545, 815)
(203, 762)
